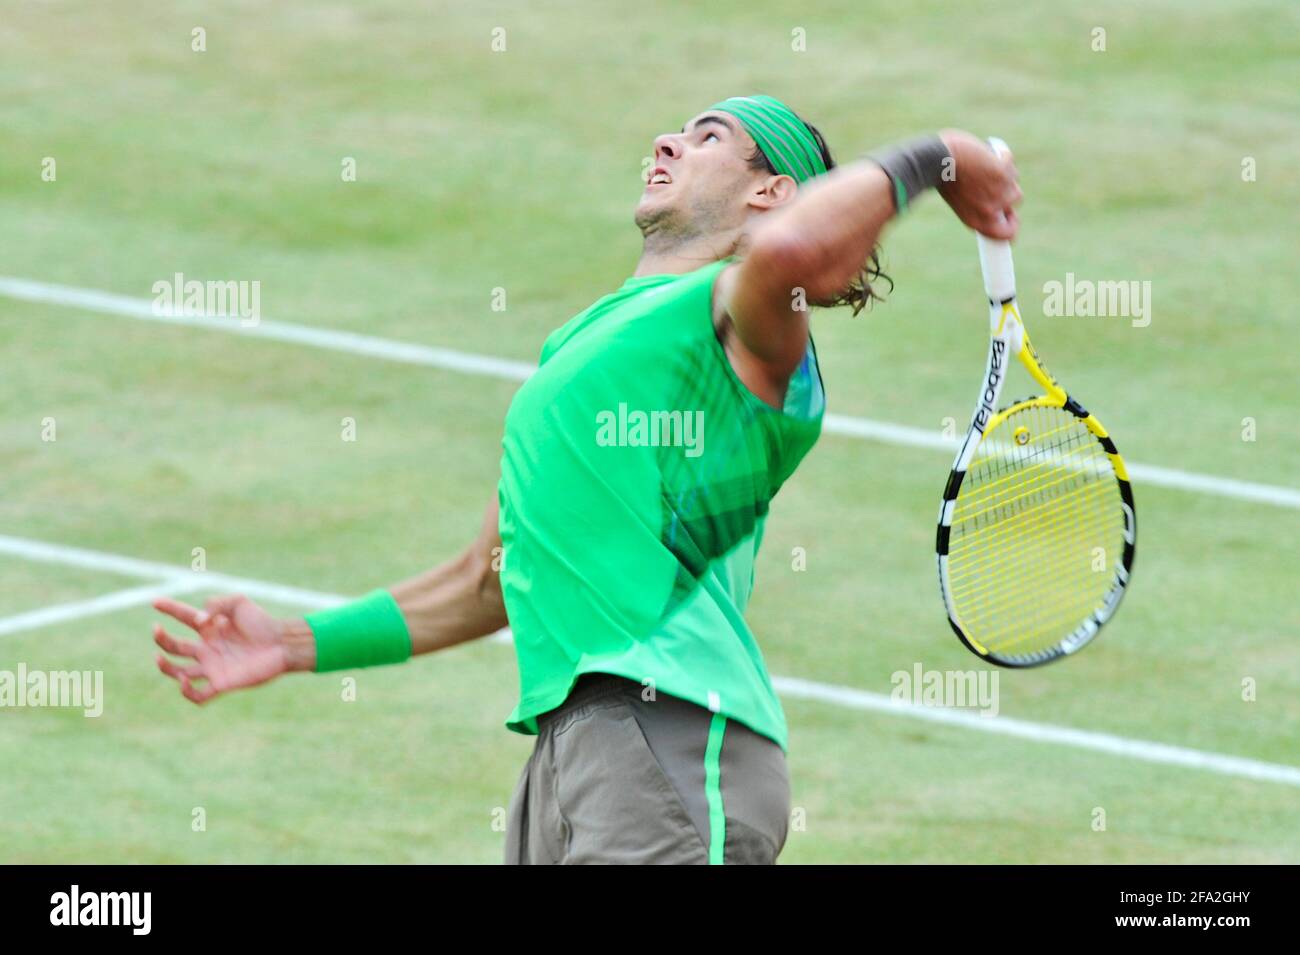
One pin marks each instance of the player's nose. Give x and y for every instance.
(668, 146)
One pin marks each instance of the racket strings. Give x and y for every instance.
(998, 451)
(1032, 519)
(1024, 528)
(1033, 508)
(1036, 594)
(1037, 464)
(1044, 548)
(1020, 492)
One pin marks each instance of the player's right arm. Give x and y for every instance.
(240, 645)
(818, 241)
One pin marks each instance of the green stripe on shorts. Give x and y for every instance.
(713, 789)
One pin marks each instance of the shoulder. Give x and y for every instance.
(766, 381)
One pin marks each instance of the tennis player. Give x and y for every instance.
(639, 464)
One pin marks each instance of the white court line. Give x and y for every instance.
(790, 687)
(131, 567)
(1145, 750)
(118, 600)
(450, 360)
(368, 345)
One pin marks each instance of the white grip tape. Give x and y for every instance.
(995, 255)
(999, 274)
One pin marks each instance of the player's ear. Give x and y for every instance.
(772, 192)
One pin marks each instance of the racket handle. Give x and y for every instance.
(995, 254)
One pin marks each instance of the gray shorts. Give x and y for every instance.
(614, 778)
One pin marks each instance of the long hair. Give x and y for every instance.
(862, 292)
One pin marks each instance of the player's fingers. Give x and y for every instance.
(226, 603)
(220, 629)
(196, 694)
(192, 671)
(998, 226)
(192, 617)
(1009, 173)
(1012, 223)
(181, 648)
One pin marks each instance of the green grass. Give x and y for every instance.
(519, 170)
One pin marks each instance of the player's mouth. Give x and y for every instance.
(658, 177)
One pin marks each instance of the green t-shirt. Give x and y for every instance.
(635, 482)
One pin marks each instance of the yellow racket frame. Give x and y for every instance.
(1055, 396)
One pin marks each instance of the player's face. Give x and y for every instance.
(701, 180)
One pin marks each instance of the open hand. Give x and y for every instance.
(241, 645)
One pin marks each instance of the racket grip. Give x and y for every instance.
(995, 254)
(999, 273)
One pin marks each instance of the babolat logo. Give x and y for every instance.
(102, 908)
(985, 410)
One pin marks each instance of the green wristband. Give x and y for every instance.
(367, 632)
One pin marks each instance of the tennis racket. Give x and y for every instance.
(1037, 530)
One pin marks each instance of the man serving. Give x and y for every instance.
(629, 551)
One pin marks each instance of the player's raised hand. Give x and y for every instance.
(983, 191)
(240, 645)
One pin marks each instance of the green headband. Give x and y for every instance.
(783, 137)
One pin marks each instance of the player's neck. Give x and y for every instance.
(676, 255)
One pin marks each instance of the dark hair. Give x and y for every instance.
(863, 290)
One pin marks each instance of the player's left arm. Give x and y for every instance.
(243, 646)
